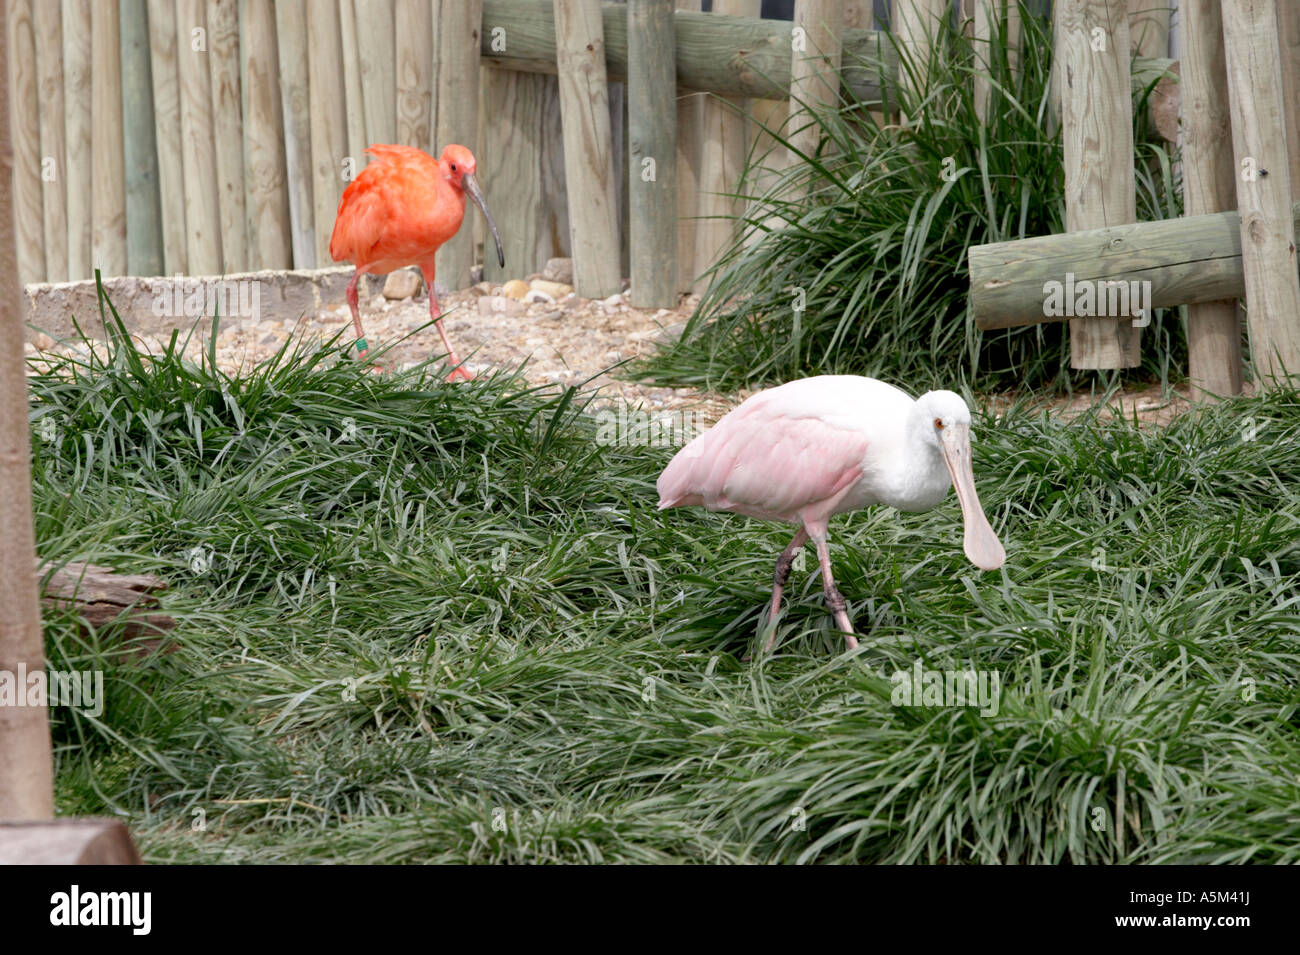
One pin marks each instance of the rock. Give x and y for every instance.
(499, 305)
(440, 290)
(556, 290)
(515, 288)
(42, 341)
(559, 270)
(404, 283)
(613, 301)
(476, 274)
(536, 295)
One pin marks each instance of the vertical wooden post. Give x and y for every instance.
(198, 152)
(690, 134)
(1092, 48)
(1148, 27)
(1263, 201)
(25, 136)
(227, 130)
(993, 21)
(916, 25)
(588, 165)
(329, 144)
(266, 192)
(814, 70)
(415, 75)
(167, 125)
(1288, 34)
(512, 138)
(27, 783)
(458, 80)
(291, 44)
(375, 45)
(652, 159)
(722, 160)
(354, 100)
(54, 195)
(1213, 328)
(144, 252)
(108, 177)
(76, 104)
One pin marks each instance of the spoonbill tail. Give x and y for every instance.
(810, 449)
(398, 212)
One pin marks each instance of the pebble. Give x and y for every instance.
(556, 290)
(537, 296)
(515, 288)
(559, 270)
(613, 301)
(404, 283)
(499, 305)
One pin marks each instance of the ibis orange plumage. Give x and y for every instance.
(401, 208)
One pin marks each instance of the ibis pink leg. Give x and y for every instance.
(362, 347)
(834, 599)
(435, 312)
(783, 565)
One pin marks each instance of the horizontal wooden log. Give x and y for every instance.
(730, 56)
(100, 595)
(67, 842)
(1187, 260)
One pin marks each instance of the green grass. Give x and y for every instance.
(467, 612)
(870, 236)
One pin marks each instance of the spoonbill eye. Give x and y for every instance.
(453, 167)
(938, 424)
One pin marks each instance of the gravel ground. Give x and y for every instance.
(559, 338)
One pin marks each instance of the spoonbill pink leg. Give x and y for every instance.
(783, 565)
(834, 599)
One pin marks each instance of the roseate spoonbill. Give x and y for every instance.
(810, 449)
(398, 212)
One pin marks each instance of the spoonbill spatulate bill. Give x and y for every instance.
(399, 211)
(810, 449)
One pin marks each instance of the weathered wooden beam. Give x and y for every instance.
(76, 104)
(167, 121)
(652, 160)
(355, 104)
(588, 160)
(916, 24)
(108, 175)
(690, 137)
(730, 56)
(1097, 136)
(814, 71)
(1213, 328)
(1263, 187)
(1192, 259)
(67, 842)
(415, 57)
(329, 130)
(24, 108)
(291, 45)
(228, 131)
(266, 189)
(54, 195)
(198, 151)
(457, 84)
(375, 31)
(144, 251)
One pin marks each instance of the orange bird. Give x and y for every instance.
(401, 208)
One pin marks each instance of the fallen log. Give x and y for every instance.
(99, 595)
(1187, 260)
(729, 56)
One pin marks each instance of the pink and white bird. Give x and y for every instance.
(810, 449)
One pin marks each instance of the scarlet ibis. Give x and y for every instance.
(398, 212)
(810, 449)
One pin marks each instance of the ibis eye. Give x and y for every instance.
(938, 424)
(453, 167)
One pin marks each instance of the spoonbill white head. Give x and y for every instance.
(945, 421)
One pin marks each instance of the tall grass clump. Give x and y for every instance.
(854, 260)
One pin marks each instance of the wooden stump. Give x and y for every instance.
(67, 842)
(99, 595)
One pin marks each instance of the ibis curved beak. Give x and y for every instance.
(470, 185)
(980, 543)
